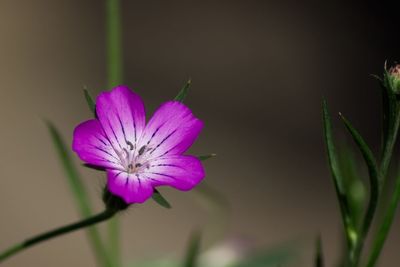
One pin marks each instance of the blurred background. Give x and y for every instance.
(259, 72)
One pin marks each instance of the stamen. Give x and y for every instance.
(141, 150)
(129, 144)
(130, 167)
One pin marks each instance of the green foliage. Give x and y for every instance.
(349, 186)
(374, 189)
(89, 100)
(350, 230)
(78, 191)
(159, 199)
(184, 91)
(354, 185)
(205, 157)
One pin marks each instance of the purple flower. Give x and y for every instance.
(137, 156)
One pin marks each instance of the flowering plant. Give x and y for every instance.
(136, 156)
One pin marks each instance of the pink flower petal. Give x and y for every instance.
(179, 171)
(171, 131)
(131, 187)
(92, 146)
(122, 115)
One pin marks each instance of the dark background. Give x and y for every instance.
(259, 71)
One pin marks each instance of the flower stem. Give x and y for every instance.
(114, 46)
(384, 228)
(114, 78)
(107, 214)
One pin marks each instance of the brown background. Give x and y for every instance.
(259, 71)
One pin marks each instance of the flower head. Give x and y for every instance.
(394, 76)
(137, 156)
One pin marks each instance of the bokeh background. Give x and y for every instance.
(259, 71)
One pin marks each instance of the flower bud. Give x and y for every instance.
(394, 78)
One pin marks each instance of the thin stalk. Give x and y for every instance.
(384, 228)
(114, 45)
(388, 150)
(114, 78)
(80, 194)
(107, 214)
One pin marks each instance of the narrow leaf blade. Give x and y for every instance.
(183, 92)
(355, 188)
(159, 199)
(78, 191)
(89, 100)
(206, 157)
(366, 153)
(374, 187)
(348, 223)
(332, 155)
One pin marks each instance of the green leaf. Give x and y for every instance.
(159, 199)
(332, 155)
(350, 231)
(89, 100)
(193, 250)
(205, 157)
(354, 185)
(374, 186)
(367, 155)
(319, 258)
(183, 92)
(78, 191)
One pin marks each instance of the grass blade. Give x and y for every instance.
(78, 191)
(366, 153)
(350, 231)
(183, 92)
(374, 186)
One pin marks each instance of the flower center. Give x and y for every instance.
(133, 160)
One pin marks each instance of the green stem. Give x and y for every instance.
(107, 214)
(384, 228)
(372, 204)
(114, 78)
(81, 196)
(388, 151)
(114, 46)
